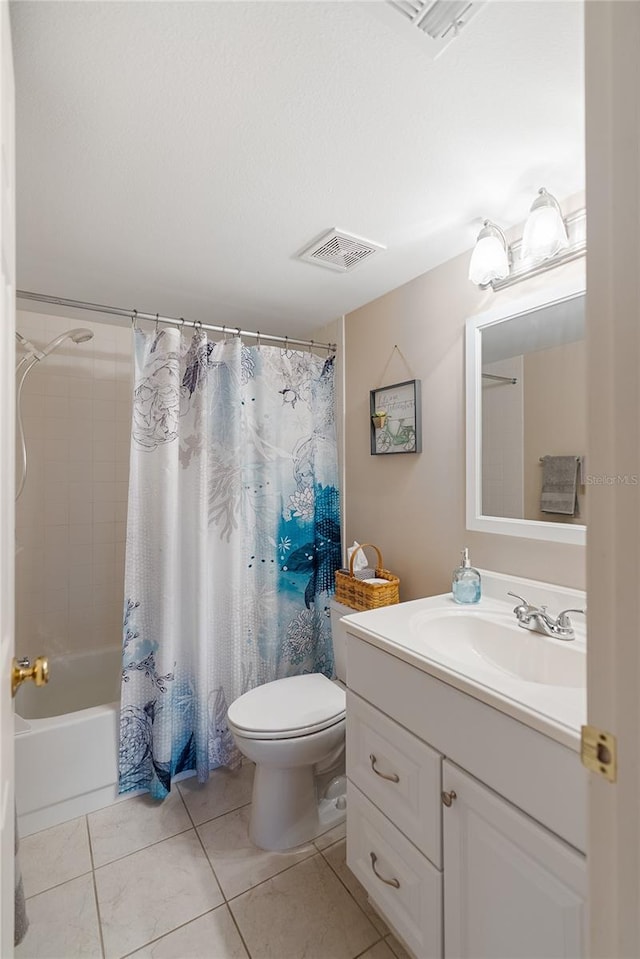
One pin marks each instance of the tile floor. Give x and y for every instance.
(181, 880)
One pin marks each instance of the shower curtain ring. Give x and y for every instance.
(134, 320)
(310, 346)
(239, 332)
(258, 339)
(157, 323)
(224, 332)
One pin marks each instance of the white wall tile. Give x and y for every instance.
(77, 412)
(56, 385)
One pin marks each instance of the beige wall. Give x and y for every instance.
(555, 419)
(70, 519)
(413, 505)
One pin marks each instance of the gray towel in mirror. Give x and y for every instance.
(560, 485)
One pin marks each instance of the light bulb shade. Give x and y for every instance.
(489, 260)
(545, 234)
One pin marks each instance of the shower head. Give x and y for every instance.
(78, 336)
(81, 336)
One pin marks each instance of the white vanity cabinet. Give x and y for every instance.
(511, 888)
(495, 874)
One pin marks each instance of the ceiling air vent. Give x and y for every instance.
(441, 20)
(339, 251)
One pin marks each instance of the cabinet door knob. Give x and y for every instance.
(391, 777)
(389, 882)
(447, 798)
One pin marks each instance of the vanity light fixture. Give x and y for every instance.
(490, 257)
(549, 240)
(545, 234)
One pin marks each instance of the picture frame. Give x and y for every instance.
(396, 418)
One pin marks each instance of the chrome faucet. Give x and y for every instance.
(538, 619)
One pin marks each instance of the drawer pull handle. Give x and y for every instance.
(448, 798)
(391, 777)
(388, 882)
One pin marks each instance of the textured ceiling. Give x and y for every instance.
(175, 156)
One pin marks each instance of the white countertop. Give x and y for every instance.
(552, 708)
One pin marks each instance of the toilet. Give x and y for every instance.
(293, 729)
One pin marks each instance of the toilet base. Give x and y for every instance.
(285, 811)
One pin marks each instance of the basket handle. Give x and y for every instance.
(362, 546)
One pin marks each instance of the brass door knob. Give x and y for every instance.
(448, 798)
(22, 669)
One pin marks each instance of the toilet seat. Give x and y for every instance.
(288, 708)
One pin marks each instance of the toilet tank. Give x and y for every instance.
(339, 637)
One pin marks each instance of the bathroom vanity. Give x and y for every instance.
(466, 796)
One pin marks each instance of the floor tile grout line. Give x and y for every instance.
(340, 879)
(222, 892)
(329, 845)
(206, 856)
(133, 852)
(380, 935)
(391, 946)
(237, 925)
(95, 887)
(219, 816)
(292, 865)
(164, 935)
(372, 946)
(312, 852)
(58, 884)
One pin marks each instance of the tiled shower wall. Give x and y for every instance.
(71, 517)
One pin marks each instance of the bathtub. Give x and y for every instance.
(66, 740)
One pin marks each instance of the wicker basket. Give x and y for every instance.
(359, 595)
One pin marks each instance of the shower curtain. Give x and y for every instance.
(233, 538)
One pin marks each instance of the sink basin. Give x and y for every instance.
(465, 638)
(483, 652)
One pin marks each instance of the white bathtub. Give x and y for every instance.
(67, 740)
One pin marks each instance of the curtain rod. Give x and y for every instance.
(505, 379)
(173, 321)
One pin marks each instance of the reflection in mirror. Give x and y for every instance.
(533, 400)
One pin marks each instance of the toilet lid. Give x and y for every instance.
(296, 706)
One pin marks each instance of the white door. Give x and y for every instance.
(512, 890)
(7, 477)
(613, 567)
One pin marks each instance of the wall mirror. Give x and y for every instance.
(526, 408)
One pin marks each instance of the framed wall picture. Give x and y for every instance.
(396, 420)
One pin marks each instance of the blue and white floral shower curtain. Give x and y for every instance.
(233, 539)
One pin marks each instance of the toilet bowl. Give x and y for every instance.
(294, 729)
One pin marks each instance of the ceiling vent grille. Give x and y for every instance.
(339, 251)
(441, 20)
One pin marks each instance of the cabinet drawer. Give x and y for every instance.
(411, 896)
(398, 772)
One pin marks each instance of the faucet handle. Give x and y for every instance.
(523, 610)
(563, 618)
(521, 598)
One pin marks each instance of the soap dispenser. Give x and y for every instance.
(465, 584)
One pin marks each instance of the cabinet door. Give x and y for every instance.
(512, 890)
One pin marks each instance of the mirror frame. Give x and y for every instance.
(573, 533)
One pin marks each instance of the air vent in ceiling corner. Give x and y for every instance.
(339, 251)
(440, 20)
